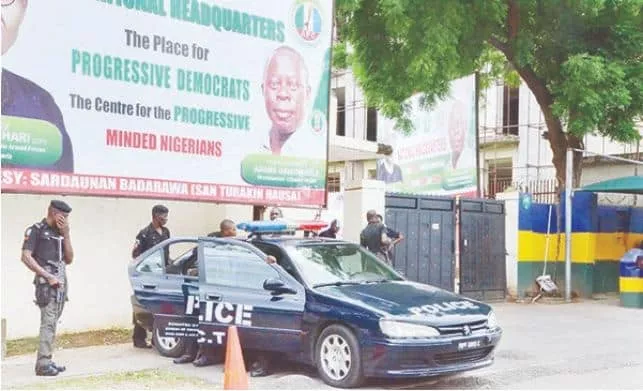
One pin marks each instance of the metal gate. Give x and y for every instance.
(427, 254)
(482, 249)
(428, 224)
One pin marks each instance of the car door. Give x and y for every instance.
(231, 288)
(177, 313)
(145, 276)
(161, 297)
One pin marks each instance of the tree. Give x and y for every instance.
(582, 59)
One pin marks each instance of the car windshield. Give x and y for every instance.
(324, 264)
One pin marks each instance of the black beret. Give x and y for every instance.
(60, 205)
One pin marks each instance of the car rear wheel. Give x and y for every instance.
(168, 346)
(338, 357)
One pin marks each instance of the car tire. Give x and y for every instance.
(338, 357)
(168, 347)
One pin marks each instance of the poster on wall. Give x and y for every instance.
(177, 99)
(439, 156)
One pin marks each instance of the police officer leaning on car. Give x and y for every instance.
(148, 237)
(46, 251)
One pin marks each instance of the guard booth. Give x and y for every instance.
(631, 264)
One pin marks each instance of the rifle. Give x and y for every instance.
(56, 268)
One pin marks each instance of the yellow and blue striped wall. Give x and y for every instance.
(600, 236)
(631, 283)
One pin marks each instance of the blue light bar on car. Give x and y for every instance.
(263, 226)
(280, 226)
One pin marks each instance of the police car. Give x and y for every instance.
(326, 302)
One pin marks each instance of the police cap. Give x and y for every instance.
(60, 205)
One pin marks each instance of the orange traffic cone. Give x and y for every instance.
(234, 371)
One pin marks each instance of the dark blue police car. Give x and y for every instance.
(328, 303)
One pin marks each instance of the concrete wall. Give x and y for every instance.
(512, 206)
(103, 231)
(359, 197)
(601, 235)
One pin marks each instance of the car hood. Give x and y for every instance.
(409, 301)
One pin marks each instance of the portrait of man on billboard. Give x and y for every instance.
(286, 90)
(25, 99)
(388, 170)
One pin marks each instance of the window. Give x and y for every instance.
(153, 263)
(341, 111)
(235, 266)
(330, 263)
(371, 124)
(333, 182)
(510, 111)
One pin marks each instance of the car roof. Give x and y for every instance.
(288, 240)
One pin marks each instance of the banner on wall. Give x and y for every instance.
(439, 156)
(179, 99)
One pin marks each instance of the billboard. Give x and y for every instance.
(439, 156)
(177, 99)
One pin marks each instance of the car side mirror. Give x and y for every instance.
(277, 286)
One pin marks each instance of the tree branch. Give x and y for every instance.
(503, 47)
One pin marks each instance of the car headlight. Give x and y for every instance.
(492, 322)
(395, 329)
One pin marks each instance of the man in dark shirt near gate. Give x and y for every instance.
(25, 99)
(147, 238)
(374, 237)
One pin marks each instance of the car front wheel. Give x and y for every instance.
(338, 357)
(168, 346)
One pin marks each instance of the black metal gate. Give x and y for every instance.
(482, 249)
(427, 253)
(428, 225)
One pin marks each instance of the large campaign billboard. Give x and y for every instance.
(439, 156)
(222, 101)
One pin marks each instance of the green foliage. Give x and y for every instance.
(584, 56)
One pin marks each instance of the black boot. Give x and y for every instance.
(48, 370)
(184, 359)
(59, 368)
(260, 366)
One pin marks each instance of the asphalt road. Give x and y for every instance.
(593, 344)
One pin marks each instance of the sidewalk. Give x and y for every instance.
(18, 371)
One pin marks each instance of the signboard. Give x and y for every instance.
(176, 99)
(439, 156)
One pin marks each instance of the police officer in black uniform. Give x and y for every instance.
(46, 251)
(373, 236)
(147, 238)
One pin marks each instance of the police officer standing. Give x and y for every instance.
(46, 251)
(374, 237)
(148, 237)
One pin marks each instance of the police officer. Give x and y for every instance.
(395, 236)
(46, 251)
(147, 238)
(374, 237)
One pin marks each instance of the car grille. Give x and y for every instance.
(461, 329)
(462, 357)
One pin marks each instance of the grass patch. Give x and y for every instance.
(148, 379)
(111, 336)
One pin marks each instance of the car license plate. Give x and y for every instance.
(468, 345)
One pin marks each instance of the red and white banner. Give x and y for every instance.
(29, 181)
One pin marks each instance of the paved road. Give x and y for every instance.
(593, 344)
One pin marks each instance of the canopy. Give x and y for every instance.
(626, 185)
